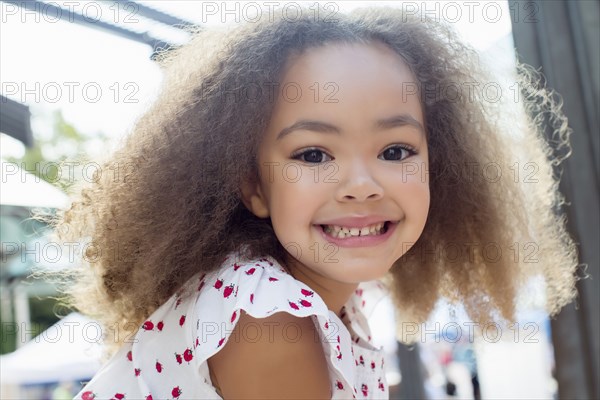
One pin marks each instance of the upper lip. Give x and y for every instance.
(356, 222)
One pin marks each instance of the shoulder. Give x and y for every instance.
(259, 288)
(279, 356)
(256, 332)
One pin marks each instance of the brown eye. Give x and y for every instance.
(312, 156)
(397, 153)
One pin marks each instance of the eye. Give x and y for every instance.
(397, 152)
(312, 156)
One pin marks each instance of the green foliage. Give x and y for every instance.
(43, 316)
(42, 312)
(66, 144)
(7, 334)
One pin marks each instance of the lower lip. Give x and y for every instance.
(360, 241)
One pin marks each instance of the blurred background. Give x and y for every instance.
(74, 77)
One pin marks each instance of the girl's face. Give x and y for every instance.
(345, 147)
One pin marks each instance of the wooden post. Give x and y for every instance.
(562, 37)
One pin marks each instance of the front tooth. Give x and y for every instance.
(343, 232)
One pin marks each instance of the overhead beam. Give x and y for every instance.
(145, 38)
(157, 15)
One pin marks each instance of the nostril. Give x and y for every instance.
(369, 197)
(361, 193)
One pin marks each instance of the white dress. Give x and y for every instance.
(167, 357)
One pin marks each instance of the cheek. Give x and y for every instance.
(413, 190)
(295, 197)
(294, 183)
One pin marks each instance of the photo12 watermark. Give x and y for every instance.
(490, 12)
(255, 11)
(454, 332)
(27, 11)
(71, 92)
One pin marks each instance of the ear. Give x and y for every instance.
(254, 199)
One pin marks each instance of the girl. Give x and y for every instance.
(296, 169)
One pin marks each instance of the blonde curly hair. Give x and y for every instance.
(174, 208)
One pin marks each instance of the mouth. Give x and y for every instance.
(342, 232)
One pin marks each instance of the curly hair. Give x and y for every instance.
(168, 204)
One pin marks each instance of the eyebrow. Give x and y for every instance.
(323, 127)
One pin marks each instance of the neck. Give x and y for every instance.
(335, 294)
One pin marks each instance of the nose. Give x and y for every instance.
(359, 184)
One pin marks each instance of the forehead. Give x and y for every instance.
(346, 60)
(349, 85)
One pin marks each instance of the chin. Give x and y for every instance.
(363, 275)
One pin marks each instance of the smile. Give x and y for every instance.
(367, 236)
(344, 232)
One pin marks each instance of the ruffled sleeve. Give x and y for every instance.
(262, 288)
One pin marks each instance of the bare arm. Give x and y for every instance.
(279, 357)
